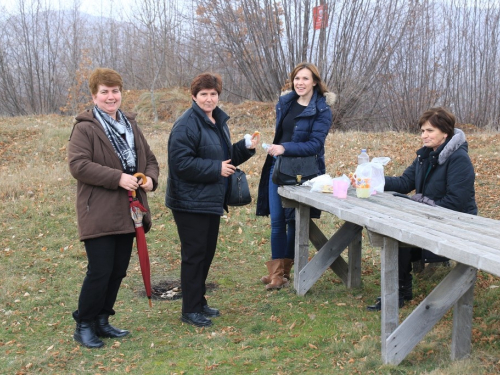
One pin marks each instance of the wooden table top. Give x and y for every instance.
(468, 239)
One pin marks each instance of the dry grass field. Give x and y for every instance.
(42, 265)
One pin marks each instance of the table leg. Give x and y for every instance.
(329, 256)
(462, 323)
(354, 256)
(301, 241)
(390, 293)
(456, 289)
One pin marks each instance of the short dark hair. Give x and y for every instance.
(206, 81)
(105, 77)
(440, 118)
(320, 85)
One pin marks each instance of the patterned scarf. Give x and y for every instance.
(124, 148)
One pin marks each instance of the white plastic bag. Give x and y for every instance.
(374, 171)
(322, 183)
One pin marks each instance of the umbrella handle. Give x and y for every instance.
(139, 175)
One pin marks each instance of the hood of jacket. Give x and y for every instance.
(444, 152)
(457, 141)
(330, 97)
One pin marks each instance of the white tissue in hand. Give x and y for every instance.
(248, 140)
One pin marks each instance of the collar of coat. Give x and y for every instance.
(88, 115)
(218, 114)
(444, 151)
(330, 97)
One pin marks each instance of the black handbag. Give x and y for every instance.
(294, 170)
(239, 195)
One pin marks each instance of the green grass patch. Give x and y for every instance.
(328, 331)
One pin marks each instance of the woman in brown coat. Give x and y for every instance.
(105, 149)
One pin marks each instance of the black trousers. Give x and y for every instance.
(406, 256)
(198, 234)
(108, 260)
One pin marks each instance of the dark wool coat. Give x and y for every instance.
(195, 155)
(311, 129)
(446, 176)
(102, 206)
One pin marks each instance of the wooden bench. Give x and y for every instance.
(473, 242)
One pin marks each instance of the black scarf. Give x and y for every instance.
(121, 136)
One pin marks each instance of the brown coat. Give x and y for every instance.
(102, 206)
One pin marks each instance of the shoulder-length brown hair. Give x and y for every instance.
(440, 118)
(320, 85)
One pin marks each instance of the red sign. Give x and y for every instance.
(320, 16)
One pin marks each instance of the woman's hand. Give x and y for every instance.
(227, 168)
(128, 182)
(147, 185)
(275, 150)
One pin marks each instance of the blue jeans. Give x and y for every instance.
(282, 232)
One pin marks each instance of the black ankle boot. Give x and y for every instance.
(378, 304)
(85, 335)
(104, 329)
(406, 292)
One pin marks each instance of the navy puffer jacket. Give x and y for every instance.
(311, 129)
(446, 176)
(195, 155)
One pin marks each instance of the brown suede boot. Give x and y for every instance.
(288, 268)
(288, 263)
(276, 268)
(266, 279)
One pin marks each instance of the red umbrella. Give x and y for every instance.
(137, 211)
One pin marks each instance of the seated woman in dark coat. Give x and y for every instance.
(441, 175)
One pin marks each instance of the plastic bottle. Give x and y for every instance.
(363, 157)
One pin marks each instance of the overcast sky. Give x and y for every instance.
(94, 7)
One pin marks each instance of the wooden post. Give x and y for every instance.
(462, 323)
(456, 288)
(318, 239)
(326, 256)
(390, 293)
(354, 256)
(301, 242)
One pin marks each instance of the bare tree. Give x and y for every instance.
(473, 61)
(388, 61)
(156, 25)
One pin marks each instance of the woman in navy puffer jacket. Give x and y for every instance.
(441, 175)
(201, 158)
(303, 119)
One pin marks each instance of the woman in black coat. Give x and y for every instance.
(201, 159)
(441, 175)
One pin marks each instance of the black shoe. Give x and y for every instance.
(408, 295)
(210, 311)
(197, 319)
(406, 291)
(85, 335)
(104, 329)
(378, 305)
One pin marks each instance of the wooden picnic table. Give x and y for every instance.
(473, 242)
